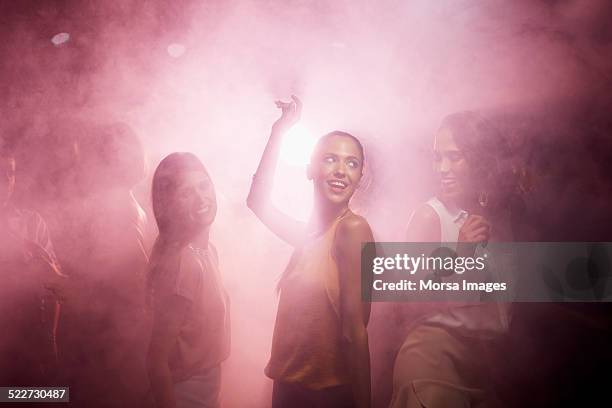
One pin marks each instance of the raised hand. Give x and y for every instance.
(291, 113)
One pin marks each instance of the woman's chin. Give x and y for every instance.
(449, 196)
(203, 220)
(335, 199)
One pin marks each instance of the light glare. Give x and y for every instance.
(60, 38)
(297, 146)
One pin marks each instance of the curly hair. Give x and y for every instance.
(485, 148)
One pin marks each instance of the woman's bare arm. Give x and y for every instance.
(259, 200)
(352, 232)
(424, 226)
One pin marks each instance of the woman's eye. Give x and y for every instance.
(353, 164)
(454, 156)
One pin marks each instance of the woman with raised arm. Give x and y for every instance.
(444, 362)
(191, 329)
(320, 355)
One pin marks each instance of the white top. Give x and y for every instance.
(476, 319)
(451, 219)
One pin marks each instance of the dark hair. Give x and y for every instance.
(480, 141)
(488, 154)
(361, 197)
(484, 146)
(114, 149)
(333, 133)
(165, 181)
(7, 147)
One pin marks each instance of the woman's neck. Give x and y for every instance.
(469, 204)
(325, 214)
(201, 239)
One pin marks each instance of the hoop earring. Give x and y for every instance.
(483, 199)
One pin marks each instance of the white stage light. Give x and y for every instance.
(297, 146)
(60, 38)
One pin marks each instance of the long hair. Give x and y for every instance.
(482, 143)
(165, 182)
(7, 149)
(163, 190)
(486, 151)
(112, 154)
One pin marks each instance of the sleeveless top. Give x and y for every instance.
(307, 346)
(482, 320)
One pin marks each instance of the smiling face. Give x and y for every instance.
(195, 201)
(336, 168)
(450, 166)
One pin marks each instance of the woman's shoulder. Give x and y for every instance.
(425, 213)
(178, 271)
(190, 261)
(173, 261)
(354, 222)
(353, 227)
(424, 224)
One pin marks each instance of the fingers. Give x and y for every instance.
(471, 220)
(476, 221)
(474, 218)
(283, 105)
(475, 229)
(298, 104)
(482, 232)
(295, 104)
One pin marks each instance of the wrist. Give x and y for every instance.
(279, 128)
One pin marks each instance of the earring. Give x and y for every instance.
(483, 199)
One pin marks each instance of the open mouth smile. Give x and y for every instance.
(203, 210)
(337, 184)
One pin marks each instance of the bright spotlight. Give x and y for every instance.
(297, 146)
(60, 38)
(176, 50)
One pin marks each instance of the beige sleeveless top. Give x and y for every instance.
(307, 346)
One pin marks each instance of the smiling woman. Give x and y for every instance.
(320, 355)
(336, 149)
(444, 360)
(190, 336)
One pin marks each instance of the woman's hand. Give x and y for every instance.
(259, 199)
(291, 113)
(475, 229)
